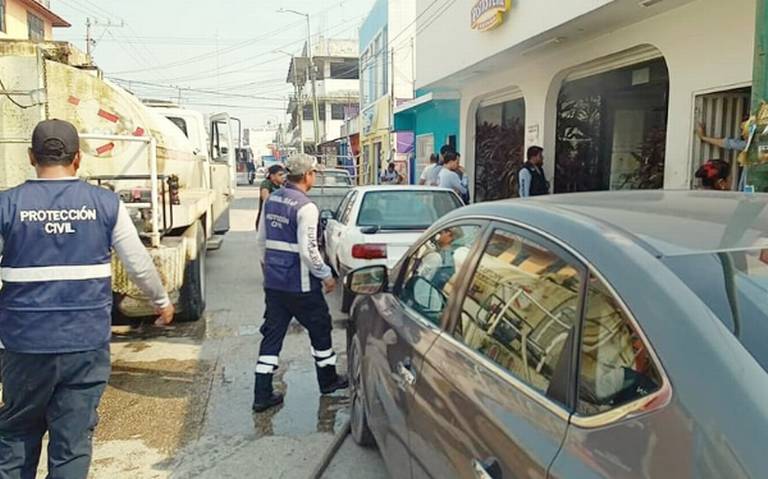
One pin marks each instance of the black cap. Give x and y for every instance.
(55, 139)
(275, 169)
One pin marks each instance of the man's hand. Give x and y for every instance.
(329, 285)
(165, 315)
(700, 130)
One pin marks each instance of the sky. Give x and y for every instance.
(215, 56)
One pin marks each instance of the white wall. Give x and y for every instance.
(402, 30)
(708, 45)
(447, 33)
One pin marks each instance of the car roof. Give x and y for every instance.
(667, 223)
(370, 188)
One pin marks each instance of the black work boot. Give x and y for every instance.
(263, 396)
(329, 380)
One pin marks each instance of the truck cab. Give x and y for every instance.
(213, 141)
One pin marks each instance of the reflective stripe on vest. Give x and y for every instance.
(283, 246)
(56, 273)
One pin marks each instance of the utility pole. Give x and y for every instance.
(299, 106)
(89, 41)
(312, 72)
(313, 77)
(756, 171)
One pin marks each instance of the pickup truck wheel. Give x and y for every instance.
(192, 295)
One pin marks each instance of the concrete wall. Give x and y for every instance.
(707, 44)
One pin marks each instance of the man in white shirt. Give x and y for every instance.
(449, 178)
(426, 175)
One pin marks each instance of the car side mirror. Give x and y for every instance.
(326, 215)
(367, 281)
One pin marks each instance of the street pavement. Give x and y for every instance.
(178, 404)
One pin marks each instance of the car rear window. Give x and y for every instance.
(326, 178)
(405, 209)
(735, 287)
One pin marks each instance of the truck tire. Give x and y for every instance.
(192, 294)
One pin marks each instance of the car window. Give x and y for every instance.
(521, 306)
(334, 178)
(616, 367)
(405, 209)
(343, 205)
(347, 209)
(433, 269)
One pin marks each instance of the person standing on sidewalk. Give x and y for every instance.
(449, 176)
(295, 276)
(532, 181)
(56, 306)
(274, 181)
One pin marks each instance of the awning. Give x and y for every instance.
(425, 99)
(406, 113)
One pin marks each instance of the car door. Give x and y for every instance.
(223, 169)
(622, 427)
(336, 227)
(492, 398)
(412, 316)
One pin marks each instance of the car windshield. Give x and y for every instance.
(735, 287)
(333, 178)
(405, 209)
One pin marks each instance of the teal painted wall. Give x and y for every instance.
(441, 118)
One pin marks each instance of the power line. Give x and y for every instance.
(235, 47)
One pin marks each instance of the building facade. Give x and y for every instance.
(612, 89)
(387, 63)
(28, 20)
(337, 91)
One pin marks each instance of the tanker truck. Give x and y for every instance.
(178, 192)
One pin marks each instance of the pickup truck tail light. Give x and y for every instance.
(369, 251)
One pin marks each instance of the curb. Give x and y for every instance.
(338, 440)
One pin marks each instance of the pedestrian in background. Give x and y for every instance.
(391, 176)
(427, 173)
(531, 177)
(295, 276)
(274, 180)
(449, 178)
(56, 305)
(464, 180)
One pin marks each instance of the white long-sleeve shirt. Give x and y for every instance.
(308, 217)
(136, 259)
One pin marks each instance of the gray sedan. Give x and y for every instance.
(611, 335)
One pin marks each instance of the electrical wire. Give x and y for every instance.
(12, 100)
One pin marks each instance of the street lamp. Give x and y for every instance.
(312, 73)
(299, 99)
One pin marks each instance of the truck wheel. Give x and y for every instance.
(192, 295)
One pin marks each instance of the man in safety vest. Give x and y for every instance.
(294, 278)
(56, 304)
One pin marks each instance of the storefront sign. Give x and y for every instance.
(489, 14)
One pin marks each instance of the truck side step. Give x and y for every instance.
(215, 242)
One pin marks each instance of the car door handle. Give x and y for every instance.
(488, 469)
(405, 371)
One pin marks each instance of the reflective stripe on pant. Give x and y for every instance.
(310, 309)
(58, 393)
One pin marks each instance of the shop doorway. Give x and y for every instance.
(721, 114)
(499, 143)
(425, 147)
(611, 129)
